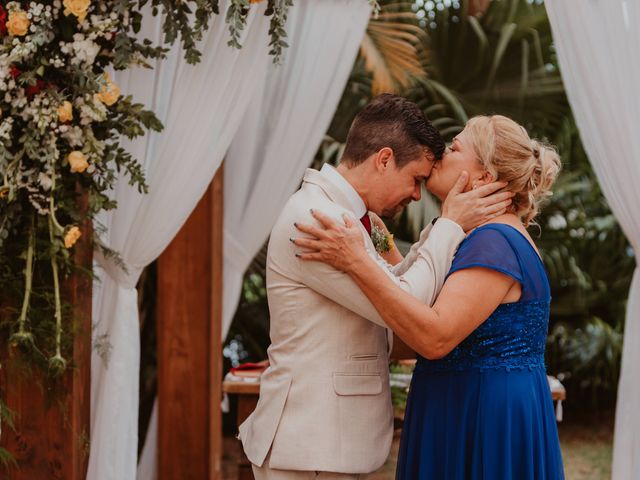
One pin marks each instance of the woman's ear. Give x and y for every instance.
(487, 177)
(484, 179)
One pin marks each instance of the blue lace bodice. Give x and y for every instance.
(514, 336)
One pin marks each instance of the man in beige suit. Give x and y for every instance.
(325, 405)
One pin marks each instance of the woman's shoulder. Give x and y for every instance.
(500, 232)
(492, 245)
(509, 230)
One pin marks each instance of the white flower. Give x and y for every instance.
(5, 129)
(74, 136)
(45, 181)
(84, 50)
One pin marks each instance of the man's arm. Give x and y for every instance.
(423, 279)
(412, 255)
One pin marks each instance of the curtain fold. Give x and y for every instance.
(283, 128)
(201, 107)
(597, 43)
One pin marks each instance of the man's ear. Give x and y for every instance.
(384, 159)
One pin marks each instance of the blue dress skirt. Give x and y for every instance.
(484, 412)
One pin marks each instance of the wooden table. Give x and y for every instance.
(248, 393)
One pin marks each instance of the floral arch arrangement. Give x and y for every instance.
(61, 118)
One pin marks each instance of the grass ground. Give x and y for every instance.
(587, 450)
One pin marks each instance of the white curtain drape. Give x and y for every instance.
(283, 128)
(597, 43)
(201, 108)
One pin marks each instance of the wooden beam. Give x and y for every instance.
(189, 314)
(51, 437)
(215, 337)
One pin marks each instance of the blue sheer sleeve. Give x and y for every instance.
(488, 247)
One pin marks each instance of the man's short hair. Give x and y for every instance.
(395, 122)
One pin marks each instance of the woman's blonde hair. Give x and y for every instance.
(507, 152)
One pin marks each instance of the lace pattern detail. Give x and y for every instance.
(512, 338)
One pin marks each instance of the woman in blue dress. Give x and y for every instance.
(479, 405)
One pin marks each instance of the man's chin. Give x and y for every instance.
(392, 213)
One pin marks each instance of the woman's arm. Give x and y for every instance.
(467, 299)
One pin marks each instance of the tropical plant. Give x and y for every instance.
(248, 336)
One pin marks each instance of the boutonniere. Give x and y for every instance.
(383, 242)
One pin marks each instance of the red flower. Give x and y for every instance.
(3, 21)
(14, 72)
(33, 90)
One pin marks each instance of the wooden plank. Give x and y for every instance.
(51, 439)
(215, 332)
(189, 346)
(245, 388)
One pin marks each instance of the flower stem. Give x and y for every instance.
(28, 277)
(56, 288)
(52, 212)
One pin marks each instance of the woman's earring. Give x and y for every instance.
(474, 186)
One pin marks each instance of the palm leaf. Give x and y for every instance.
(390, 49)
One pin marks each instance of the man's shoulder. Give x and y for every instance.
(298, 207)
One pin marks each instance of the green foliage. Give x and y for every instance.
(278, 10)
(589, 356)
(248, 335)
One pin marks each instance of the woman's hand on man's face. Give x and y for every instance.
(338, 244)
(475, 207)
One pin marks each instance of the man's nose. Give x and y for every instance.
(417, 193)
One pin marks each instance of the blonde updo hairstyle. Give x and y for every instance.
(507, 152)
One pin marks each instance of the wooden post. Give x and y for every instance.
(51, 437)
(189, 318)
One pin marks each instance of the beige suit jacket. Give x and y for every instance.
(325, 401)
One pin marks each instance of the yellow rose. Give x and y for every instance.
(18, 23)
(109, 93)
(77, 161)
(65, 112)
(71, 237)
(76, 7)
